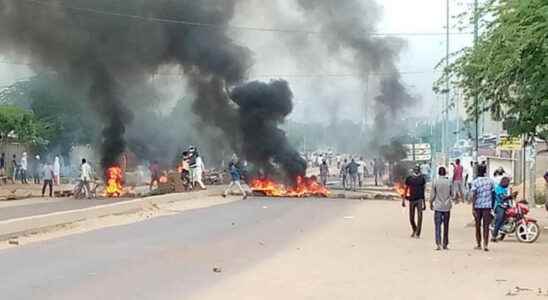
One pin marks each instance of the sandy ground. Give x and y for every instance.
(368, 254)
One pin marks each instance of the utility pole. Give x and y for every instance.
(476, 100)
(445, 134)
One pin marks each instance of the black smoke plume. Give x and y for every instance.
(350, 26)
(262, 108)
(99, 47)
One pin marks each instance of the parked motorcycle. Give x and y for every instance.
(526, 228)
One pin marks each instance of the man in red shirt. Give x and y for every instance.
(458, 181)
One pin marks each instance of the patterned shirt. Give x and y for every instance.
(483, 188)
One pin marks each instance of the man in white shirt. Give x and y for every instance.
(85, 177)
(197, 167)
(24, 165)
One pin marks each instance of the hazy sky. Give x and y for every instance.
(274, 57)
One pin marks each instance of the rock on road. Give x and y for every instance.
(274, 249)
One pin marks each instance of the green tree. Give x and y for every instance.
(61, 111)
(508, 68)
(21, 125)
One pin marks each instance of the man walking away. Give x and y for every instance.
(3, 167)
(324, 172)
(57, 171)
(502, 203)
(14, 168)
(414, 189)
(24, 166)
(377, 170)
(47, 175)
(154, 174)
(85, 176)
(440, 203)
(361, 171)
(235, 177)
(36, 168)
(482, 189)
(353, 173)
(344, 173)
(458, 181)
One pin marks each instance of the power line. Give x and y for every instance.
(285, 75)
(221, 27)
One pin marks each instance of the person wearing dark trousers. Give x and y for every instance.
(47, 174)
(502, 202)
(440, 203)
(482, 197)
(414, 190)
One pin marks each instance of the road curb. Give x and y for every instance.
(20, 226)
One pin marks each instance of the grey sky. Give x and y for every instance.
(273, 56)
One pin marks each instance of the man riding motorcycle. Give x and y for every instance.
(502, 203)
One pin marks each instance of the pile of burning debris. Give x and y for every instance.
(303, 187)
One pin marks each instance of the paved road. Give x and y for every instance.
(272, 249)
(51, 205)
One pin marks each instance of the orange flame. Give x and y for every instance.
(114, 178)
(400, 188)
(304, 187)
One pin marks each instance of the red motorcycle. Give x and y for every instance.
(526, 229)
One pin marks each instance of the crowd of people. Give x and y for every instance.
(488, 197)
(27, 170)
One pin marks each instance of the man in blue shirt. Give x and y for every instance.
(502, 202)
(482, 190)
(235, 177)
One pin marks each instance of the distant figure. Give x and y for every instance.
(14, 169)
(324, 172)
(482, 189)
(468, 177)
(3, 166)
(361, 171)
(458, 181)
(235, 177)
(546, 190)
(378, 168)
(344, 173)
(197, 167)
(154, 174)
(24, 166)
(414, 190)
(36, 169)
(440, 203)
(85, 177)
(47, 176)
(352, 169)
(185, 172)
(57, 171)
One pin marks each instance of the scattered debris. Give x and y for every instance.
(217, 269)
